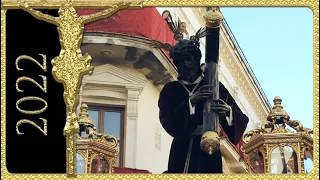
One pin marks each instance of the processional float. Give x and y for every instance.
(280, 146)
(96, 152)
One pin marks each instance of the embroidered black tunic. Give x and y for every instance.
(176, 120)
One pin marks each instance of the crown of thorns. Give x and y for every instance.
(192, 43)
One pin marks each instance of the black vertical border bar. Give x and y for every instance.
(33, 152)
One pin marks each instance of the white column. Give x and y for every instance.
(131, 127)
(80, 98)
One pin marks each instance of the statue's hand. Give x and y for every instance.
(220, 106)
(203, 93)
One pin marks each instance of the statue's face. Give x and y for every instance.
(188, 65)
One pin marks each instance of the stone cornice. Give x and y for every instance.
(242, 76)
(125, 79)
(246, 66)
(133, 41)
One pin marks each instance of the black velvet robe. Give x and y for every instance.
(176, 120)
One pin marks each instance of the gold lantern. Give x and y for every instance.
(96, 152)
(281, 146)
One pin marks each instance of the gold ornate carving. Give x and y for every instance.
(70, 66)
(278, 119)
(213, 18)
(274, 134)
(210, 142)
(96, 144)
(251, 134)
(89, 128)
(277, 111)
(313, 5)
(84, 116)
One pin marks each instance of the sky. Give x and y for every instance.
(278, 44)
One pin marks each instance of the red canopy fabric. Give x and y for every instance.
(124, 170)
(146, 22)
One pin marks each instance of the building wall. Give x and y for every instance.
(146, 142)
(153, 142)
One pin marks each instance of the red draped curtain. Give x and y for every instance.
(146, 22)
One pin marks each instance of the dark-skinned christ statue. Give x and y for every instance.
(182, 102)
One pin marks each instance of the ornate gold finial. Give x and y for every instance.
(213, 18)
(278, 119)
(277, 111)
(92, 143)
(84, 118)
(210, 142)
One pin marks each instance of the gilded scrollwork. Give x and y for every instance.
(275, 134)
(95, 144)
(250, 134)
(278, 119)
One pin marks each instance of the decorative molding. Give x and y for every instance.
(132, 103)
(120, 77)
(120, 81)
(158, 137)
(231, 159)
(231, 88)
(233, 63)
(107, 80)
(234, 91)
(132, 41)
